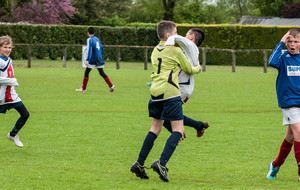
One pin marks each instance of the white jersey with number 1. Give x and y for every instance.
(191, 51)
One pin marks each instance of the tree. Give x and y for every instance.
(99, 11)
(236, 8)
(270, 7)
(6, 7)
(169, 9)
(291, 10)
(41, 11)
(145, 11)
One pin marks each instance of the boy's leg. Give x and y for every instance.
(105, 77)
(187, 121)
(146, 147)
(168, 126)
(296, 131)
(160, 165)
(149, 140)
(297, 155)
(21, 121)
(284, 151)
(86, 78)
(172, 141)
(198, 125)
(138, 166)
(19, 124)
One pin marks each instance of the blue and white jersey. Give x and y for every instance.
(288, 79)
(94, 51)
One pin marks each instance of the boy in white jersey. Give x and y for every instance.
(8, 97)
(288, 96)
(189, 44)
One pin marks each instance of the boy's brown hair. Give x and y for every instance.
(163, 27)
(4, 40)
(295, 32)
(199, 35)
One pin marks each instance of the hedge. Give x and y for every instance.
(141, 34)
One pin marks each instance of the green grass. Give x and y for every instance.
(89, 140)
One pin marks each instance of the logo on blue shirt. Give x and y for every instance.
(293, 70)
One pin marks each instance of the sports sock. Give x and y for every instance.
(84, 83)
(146, 148)
(170, 147)
(187, 121)
(108, 82)
(297, 154)
(168, 126)
(283, 153)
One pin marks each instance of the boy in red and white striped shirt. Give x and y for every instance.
(8, 96)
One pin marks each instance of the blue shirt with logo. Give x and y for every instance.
(288, 79)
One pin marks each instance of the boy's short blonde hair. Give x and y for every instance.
(295, 32)
(4, 40)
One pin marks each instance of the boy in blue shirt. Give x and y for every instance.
(288, 95)
(94, 60)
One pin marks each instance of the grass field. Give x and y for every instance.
(89, 140)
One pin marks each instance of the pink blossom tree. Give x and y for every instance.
(43, 11)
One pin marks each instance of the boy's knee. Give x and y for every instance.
(25, 116)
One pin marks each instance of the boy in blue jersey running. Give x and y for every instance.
(165, 102)
(94, 60)
(288, 95)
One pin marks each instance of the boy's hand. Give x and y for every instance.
(16, 84)
(87, 63)
(283, 39)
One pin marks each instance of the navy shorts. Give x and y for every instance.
(5, 107)
(170, 109)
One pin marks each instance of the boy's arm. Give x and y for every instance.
(274, 59)
(8, 81)
(185, 64)
(191, 50)
(89, 49)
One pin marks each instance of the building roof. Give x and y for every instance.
(256, 20)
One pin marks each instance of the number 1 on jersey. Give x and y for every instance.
(159, 65)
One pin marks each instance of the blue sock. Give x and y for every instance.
(168, 126)
(170, 147)
(18, 126)
(198, 125)
(146, 148)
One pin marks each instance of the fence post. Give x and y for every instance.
(265, 61)
(233, 60)
(118, 58)
(65, 57)
(29, 57)
(204, 59)
(146, 59)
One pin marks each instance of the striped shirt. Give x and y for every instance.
(7, 82)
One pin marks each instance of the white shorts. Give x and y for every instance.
(291, 115)
(95, 66)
